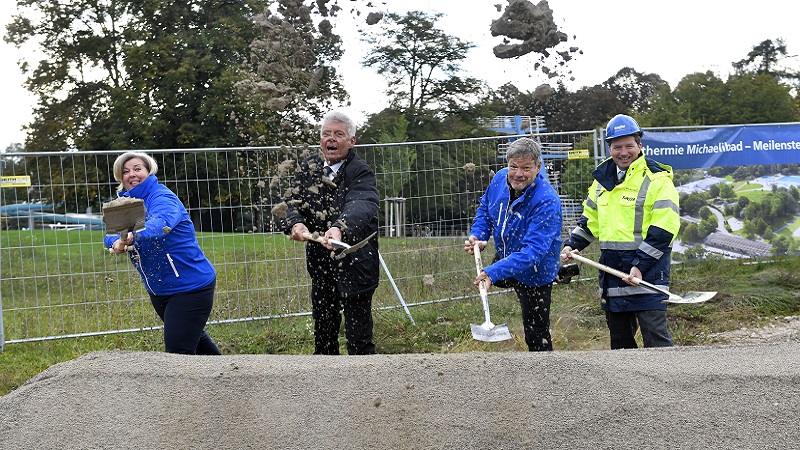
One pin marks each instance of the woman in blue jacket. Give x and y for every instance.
(175, 272)
(523, 213)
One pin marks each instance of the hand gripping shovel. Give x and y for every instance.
(123, 215)
(339, 244)
(689, 297)
(487, 331)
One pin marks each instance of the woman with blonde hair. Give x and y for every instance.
(177, 275)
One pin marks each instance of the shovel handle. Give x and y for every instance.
(481, 286)
(312, 237)
(321, 240)
(635, 280)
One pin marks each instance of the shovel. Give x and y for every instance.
(348, 249)
(123, 215)
(487, 331)
(688, 297)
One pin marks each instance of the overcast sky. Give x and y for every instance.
(669, 38)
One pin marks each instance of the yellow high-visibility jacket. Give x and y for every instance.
(635, 222)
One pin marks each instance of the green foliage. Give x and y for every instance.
(765, 59)
(288, 76)
(635, 90)
(759, 99)
(134, 74)
(422, 65)
(692, 203)
(577, 177)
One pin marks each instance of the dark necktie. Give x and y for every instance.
(328, 171)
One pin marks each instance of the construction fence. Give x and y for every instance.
(58, 280)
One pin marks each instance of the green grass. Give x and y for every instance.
(749, 295)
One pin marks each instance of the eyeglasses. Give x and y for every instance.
(336, 134)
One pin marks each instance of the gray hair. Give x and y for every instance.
(525, 147)
(149, 162)
(340, 117)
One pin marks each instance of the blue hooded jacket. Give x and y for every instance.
(166, 253)
(527, 233)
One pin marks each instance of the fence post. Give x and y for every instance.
(2, 329)
(395, 214)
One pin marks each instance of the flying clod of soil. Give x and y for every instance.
(374, 17)
(280, 209)
(529, 23)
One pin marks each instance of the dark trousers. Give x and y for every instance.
(535, 304)
(327, 306)
(185, 315)
(622, 328)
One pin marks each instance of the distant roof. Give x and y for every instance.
(738, 244)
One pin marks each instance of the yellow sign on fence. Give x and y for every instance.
(577, 154)
(16, 181)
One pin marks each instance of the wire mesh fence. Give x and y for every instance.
(58, 280)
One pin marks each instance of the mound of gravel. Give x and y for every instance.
(683, 397)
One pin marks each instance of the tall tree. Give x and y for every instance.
(422, 65)
(588, 108)
(290, 74)
(759, 98)
(636, 90)
(133, 73)
(765, 58)
(82, 45)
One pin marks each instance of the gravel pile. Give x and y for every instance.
(744, 396)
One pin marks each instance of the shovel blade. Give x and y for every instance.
(123, 214)
(691, 297)
(486, 333)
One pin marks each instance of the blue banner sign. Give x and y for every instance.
(725, 146)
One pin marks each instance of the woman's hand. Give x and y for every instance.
(122, 245)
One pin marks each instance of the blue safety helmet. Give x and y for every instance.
(622, 125)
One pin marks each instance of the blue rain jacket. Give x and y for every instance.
(527, 233)
(166, 253)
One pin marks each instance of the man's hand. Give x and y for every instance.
(483, 278)
(634, 273)
(469, 245)
(566, 254)
(297, 232)
(334, 233)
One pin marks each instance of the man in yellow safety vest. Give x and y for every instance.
(632, 211)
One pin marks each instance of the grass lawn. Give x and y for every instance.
(749, 295)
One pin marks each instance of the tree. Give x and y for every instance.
(577, 178)
(691, 234)
(726, 191)
(691, 203)
(636, 90)
(703, 99)
(781, 245)
(696, 253)
(587, 109)
(421, 64)
(82, 44)
(134, 73)
(765, 58)
(289, 75)
(759, 98)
